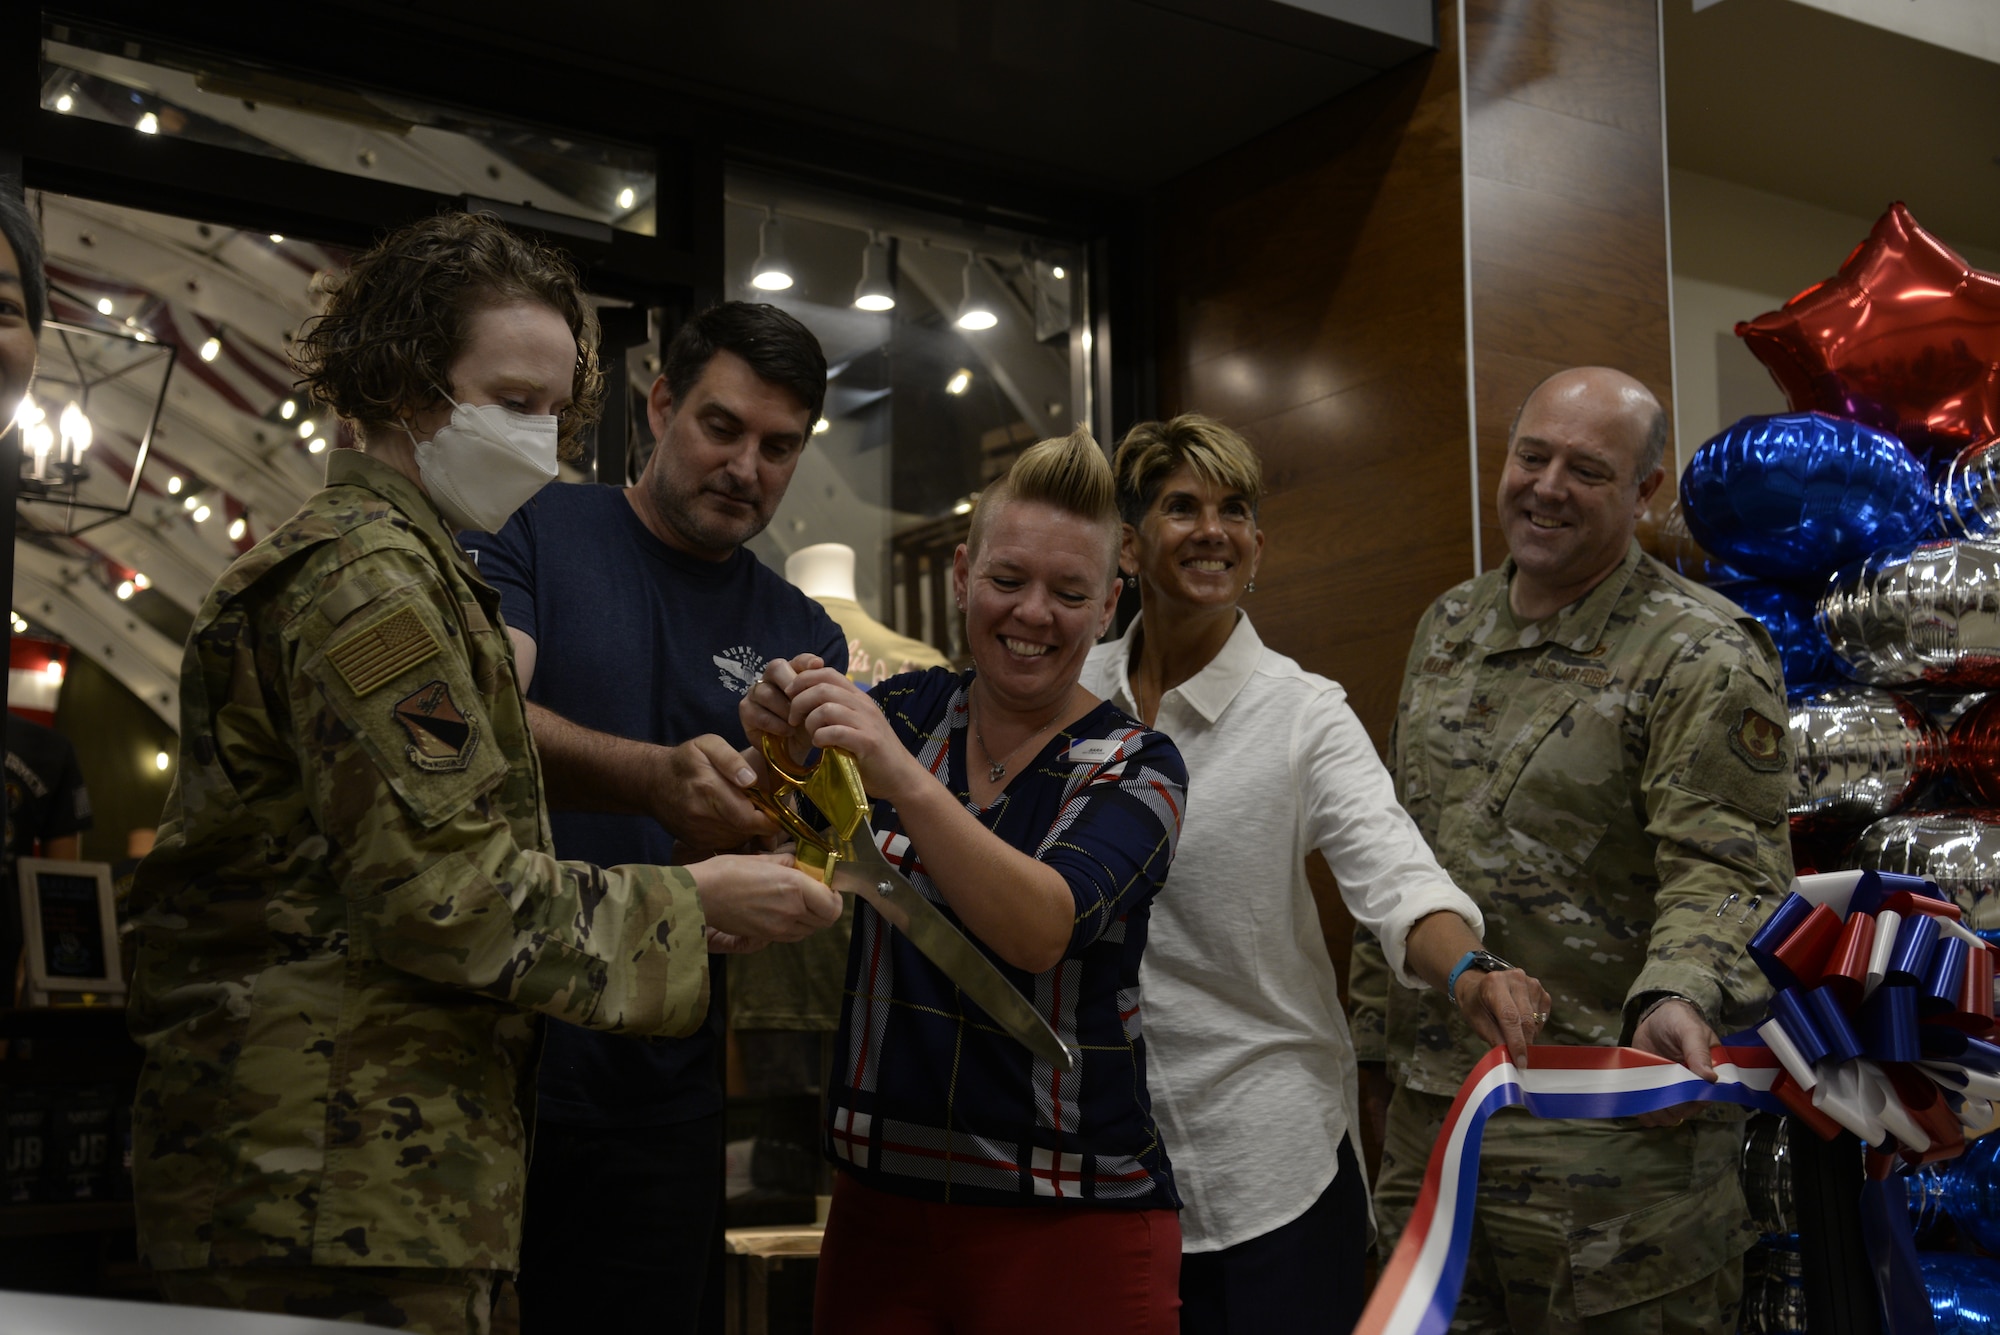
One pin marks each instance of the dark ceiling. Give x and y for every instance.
(1112, 95)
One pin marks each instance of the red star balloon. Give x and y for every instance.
(1906, 338)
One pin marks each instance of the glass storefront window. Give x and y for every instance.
(112, 78)
(927, 400)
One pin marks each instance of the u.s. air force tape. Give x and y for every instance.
(383, 649)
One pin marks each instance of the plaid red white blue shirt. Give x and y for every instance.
(928, 1097)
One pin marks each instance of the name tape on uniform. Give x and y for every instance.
(1097, 751)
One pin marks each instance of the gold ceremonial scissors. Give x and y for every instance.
(847, 857)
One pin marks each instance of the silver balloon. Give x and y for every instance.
(1931, 614)
(1969, 493)
(1943, 707)
(1960, 850)
(1767, 1174)
(1859, 754)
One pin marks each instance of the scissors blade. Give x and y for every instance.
(867, 874)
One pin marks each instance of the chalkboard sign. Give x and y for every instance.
(72, 927)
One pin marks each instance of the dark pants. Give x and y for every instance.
(1303, 1277)
(623, 1230)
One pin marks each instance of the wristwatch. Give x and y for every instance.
(1483, 960)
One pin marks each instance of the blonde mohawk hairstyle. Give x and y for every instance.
(1068, 472)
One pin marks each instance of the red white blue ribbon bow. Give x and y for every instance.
(1878, 1027)
(1419, 1287)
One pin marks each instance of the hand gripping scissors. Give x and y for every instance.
(847, 857)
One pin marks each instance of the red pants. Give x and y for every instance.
(895, 1266)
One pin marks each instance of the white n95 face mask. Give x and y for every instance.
(485, 463)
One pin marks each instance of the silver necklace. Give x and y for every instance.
(996, 770)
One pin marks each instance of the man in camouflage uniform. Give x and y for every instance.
(352, 914)
(1596, 750)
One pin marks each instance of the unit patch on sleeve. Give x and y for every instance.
(442, 738)
(1758, 742)
(383, 649)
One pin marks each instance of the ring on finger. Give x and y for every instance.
(1541, 1017)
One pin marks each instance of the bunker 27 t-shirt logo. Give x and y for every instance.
(738, 668)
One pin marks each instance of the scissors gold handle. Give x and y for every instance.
(833, 785)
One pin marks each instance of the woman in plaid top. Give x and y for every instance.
(979, 1188)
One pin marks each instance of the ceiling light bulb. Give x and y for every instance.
(820, 427)
(770, 273)
(161, 760)
(53, 670)
(875, 292)
(316, 444)
(962, 508)
(148, 124)
(29, 412)
(211, 348)
(104, 305)
(288, 409)
(201, 514)
(277, 238)
(64, 103)
(626, 198)
(174, 485)
(125, 588)
(237, 528)
(76, 432)
(190, 502)
(39, 440)
(960, 381)
(974, 314)
(305, 428)
(139, 580)
(1056, 271)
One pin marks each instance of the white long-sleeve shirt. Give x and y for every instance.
(1248, 1054)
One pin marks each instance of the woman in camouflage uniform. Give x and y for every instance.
(352, 918)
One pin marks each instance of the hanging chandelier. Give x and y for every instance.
(94, 387)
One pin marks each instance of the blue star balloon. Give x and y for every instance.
(1794, 496)
(1803, 651)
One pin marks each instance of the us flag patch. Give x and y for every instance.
(383, 649)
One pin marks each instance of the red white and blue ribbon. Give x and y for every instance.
(1419, 1287)
(1878, 1027)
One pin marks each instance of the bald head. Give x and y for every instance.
(1621, 402)
(1583, 461)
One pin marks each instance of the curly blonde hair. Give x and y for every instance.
(397, 319)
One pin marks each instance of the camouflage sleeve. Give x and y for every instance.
(412, 790)
(1368, 998)
(1368, 977)
(1714, 783)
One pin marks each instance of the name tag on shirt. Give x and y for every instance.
(1097, 751)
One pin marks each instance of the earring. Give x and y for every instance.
(1251, 587)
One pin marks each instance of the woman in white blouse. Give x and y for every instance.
(1250, 1063)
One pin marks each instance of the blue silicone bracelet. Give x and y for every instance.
(1451, 983)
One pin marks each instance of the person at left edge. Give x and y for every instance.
(639, 619)
(352, 914)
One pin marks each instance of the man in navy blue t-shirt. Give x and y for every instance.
(639, 621)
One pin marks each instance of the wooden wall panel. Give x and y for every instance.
(1566, 195)
(1312, 291)
(1312, 295)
